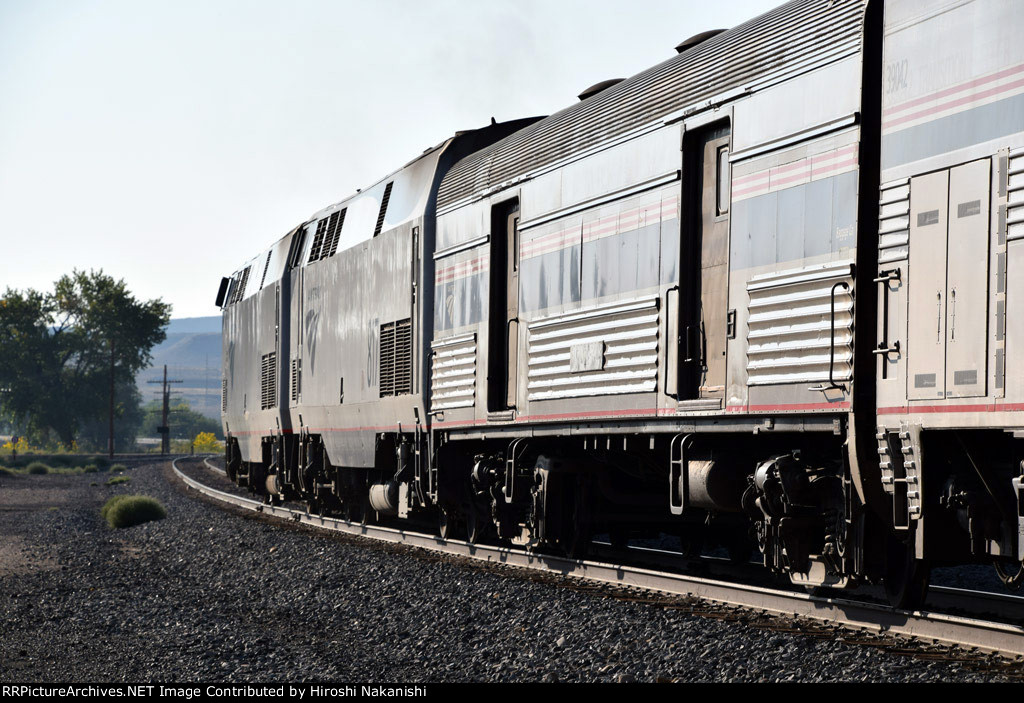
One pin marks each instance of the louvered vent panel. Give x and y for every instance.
(604, 350)
(789, 328)
(387, 360)
(1015, 196)
(296, 379)
(224, 395)
(383, 209)
(266, 265)
(318, 241)
(453, 373)
(894, 222)
(239, 292)
(332, 247)
(268, 381)
(396, 358)
(403, 358)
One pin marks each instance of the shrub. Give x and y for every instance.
(118, 479)
(118, 467)
(90, 469)
(4, 471)
(38, 468)
(125, 511)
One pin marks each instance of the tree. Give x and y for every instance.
(58, 350)
(128, 415)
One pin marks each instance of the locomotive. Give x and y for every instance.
(742, 297)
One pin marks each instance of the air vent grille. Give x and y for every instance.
(383, 209)
(266, 266)
(396, 358)
(268, 381)
(318, 241)
(224, 395)
(239, 292)
(334, 233)
(296, 379)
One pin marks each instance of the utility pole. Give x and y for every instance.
(164, 429)
(110, 443)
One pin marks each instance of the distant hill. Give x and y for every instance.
(188, 349)
(192, 355)
(194, 325)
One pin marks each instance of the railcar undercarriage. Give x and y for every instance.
(788, 499)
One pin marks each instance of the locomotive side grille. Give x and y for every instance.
(331, 247)
(396, 358)
(296, 379)
(789, 328)
(387, 360)
(604, 350)
(894, 222)
(239, 292)
(224, 395)
(266, 265)
(383, 209)
(268, 381)
(403, 358)
(318, 241)
(453, 373)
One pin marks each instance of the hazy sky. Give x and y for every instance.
(167, 142)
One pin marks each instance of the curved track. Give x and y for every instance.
(929, 627)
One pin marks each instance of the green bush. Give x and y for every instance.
(90, 469)
(118, 467)
(126, 511)
(118, 479)
(4, 471)
(38, 468)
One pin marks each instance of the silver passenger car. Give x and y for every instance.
(759, 295)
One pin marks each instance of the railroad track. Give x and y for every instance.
(969, 633)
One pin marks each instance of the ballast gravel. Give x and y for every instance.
(209, 594)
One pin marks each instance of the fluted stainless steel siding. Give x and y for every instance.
(798, 36)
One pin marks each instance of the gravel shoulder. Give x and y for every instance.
(214, 594)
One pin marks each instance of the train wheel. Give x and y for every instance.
(576, 539)
(445, 524)
(358, 511)
(906, 577)
(474, 526)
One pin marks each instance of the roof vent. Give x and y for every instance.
(698, 39)
(598, 87)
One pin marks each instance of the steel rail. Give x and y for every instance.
(929, 627)
(944, 596)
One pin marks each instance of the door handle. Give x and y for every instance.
(952, 316)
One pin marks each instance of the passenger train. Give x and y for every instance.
(765, 296)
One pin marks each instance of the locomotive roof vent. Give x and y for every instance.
(698, 39)
(598, 87)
